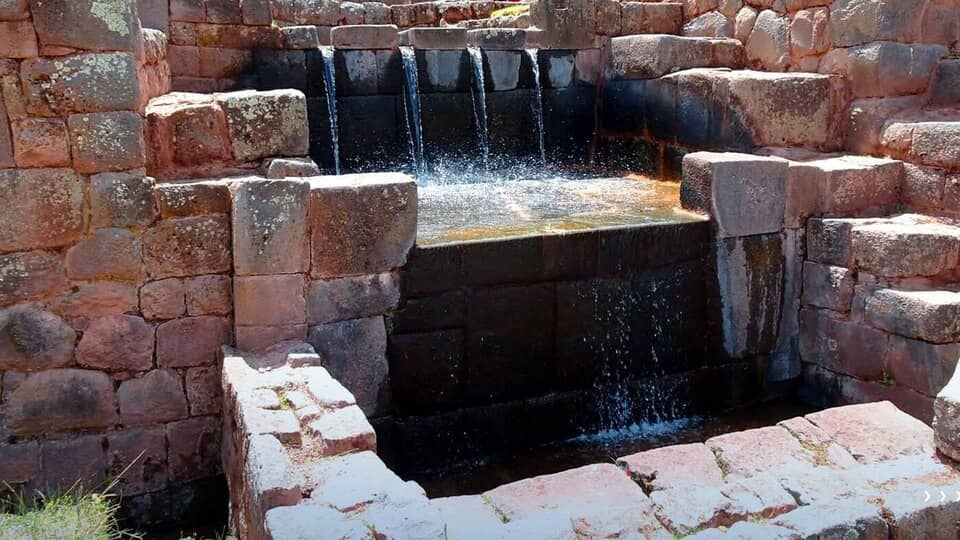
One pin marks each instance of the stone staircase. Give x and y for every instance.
(881, 307)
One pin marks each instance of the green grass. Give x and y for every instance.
(73, 515)
(519, 9)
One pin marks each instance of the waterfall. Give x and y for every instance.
(538, 103)
(330, 81)
(412, 104)
(479, 95)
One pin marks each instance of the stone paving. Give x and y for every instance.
(300, 458)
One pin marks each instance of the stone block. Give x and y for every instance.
(652, 56)
(192, 199)
(928, 138)
(867, 118)
(141, 455)
(49, 210)
(271, 476)
(187, 246)
(270, 227)
(946, 419)
(425, 370)
(945, 86)
(188, 10)
(110, 141)
(874, 432)
(193, 448)
(32, 339)
(841, 346)
(351, 298)
(848, 517)
(855, 22)
(810, 32)
(41, 142)
(608, 18)
(191, 341)
(263, 124)
(105, 254)
(651, 18)
(255, 300)
(14, 10)
(355, 354)
(20, 463)
(828, 241)
(908, 249)
(122, 200)
(61, 399)
(884, 68)
(87, 24)
(279, 169)
(164, 299)
(256, 12)
(156, 397)
(679, 466)
(768, 47)
(280, 423)
(365, 37)
(502, 70)
(744, 194)
(750, 272)
(30, 275)
(209, 295)
(344, 430)
(67, 462)
(757, 451)
(921, 366)
(932, 316)
(449, 38)
(850, 184)
(224, 11)
(117, 343)
(154, 14)
(829, 287)
(923, 187)
(87, 301)
(710, 25)
(203, 390)
(361, 224)
(258, 338)
(686, 511)
(83, 83)
(497, 39)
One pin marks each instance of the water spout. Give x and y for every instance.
(330, 81)
(538, 103)
(412, 108)
(479, 94)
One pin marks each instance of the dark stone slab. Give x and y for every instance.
(279, 69)
(673, 162)
(372, 134)
(390, 74)
(512, 128)
(356, 72)
(628, 250)
(660, 109)
(425, 370)
(569, 123)
(514, 260)
(316, 79)
(444, 71)
(433, 269)
(571, 255)
(510, 343)
(321, 139)
(557, 68)
(448, 125)
(440, 312)
(624, 107)
(425, 442)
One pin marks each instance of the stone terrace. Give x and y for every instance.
(300, 458)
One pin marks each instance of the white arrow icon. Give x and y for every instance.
(926, 497)
(943, 496)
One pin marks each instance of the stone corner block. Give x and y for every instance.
(265, 124)
(744, 194)
(270, 226)
(361, 224)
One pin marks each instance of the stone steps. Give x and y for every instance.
(929, 137)
(648, 56)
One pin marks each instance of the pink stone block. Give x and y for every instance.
(674, 467)
(276, 300)
(191, 341)
(117, 343)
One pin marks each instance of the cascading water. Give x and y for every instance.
(538, 103)
(412, 108)
(330, 81)
(479, 94)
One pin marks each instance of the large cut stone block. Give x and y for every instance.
(192, 199)
(750, 273)
(364, 36)
(355, 352)
(351, 298)
(99, 25)
(841, 346)
(827, 286)
(874, 432)
(361, 224)
(849, 184)
(932, 316)
(48, 211)
(158, 396)
(921, 366)
(855, 22)
(449, 38)
(33, 340)
(263, 124)
(29, 275)
(117, 343)
(269, 300)
(95, 82)
(651, 18)
(884, 68)
(105, 254)
(144, 451)
(744, 194)
(191, 341)
(110, 141)
(188, 247)
(193, 448)
(270, 227)
(652, 56)
(768, 47)
(908, 249)
(61, 399)
(122, 200)
(41, 142)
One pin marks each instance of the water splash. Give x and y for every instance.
(664, 429)
(329, 78)
(479, 94)
(538, 103)
(412, 104)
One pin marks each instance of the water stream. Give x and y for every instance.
(329, 78)
(479, 94)
(412, 104)
(538, 103)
